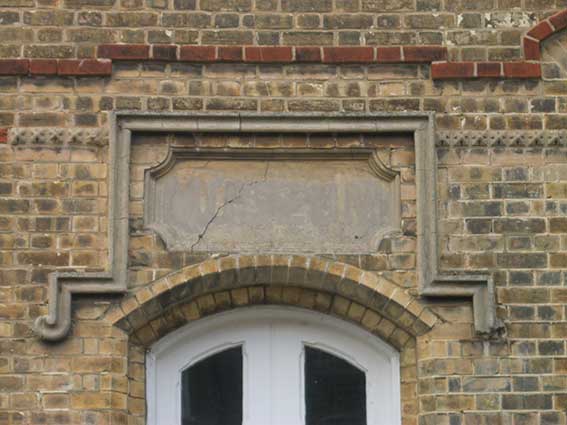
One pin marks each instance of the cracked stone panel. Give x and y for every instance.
(275, 205)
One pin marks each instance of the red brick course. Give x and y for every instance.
(276, 54)
(459, 70)
(437, 55)
(348, 54)
(63, 67)
(91, 67)
(14, 66)
(197, 53)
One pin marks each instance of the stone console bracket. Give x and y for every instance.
(62, 286)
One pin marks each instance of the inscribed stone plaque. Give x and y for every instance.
(277, 203)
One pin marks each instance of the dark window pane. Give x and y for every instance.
(211, 392)
(335, 390)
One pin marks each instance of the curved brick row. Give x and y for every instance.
(544, 29)
(205, 283)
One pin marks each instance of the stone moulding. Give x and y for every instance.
(175, 235)
(62, 286)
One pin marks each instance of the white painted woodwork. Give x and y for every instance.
(272, 340)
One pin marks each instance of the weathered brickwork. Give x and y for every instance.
(501, 210)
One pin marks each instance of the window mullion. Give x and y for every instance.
(257, 378)
(287, 369)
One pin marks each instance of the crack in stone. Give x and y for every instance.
(226, 203)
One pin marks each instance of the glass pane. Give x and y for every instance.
(211, 390)
(335, 390)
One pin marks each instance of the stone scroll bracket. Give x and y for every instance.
(62, 286)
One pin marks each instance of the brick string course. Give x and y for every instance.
(437, 55)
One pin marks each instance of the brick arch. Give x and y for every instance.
(310, 282)
(542, 31)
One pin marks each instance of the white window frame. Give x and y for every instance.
(288, 330)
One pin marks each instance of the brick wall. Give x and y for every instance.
(503, 198)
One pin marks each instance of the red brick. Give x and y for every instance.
(522, 70)
(230, 53)
(424, 54)
(3, 135)
(531, 49)
(541, 31)
(124, 51)
(348, 54)
(197, 53)
(308, 54)
(281, 54)
(14, 66)
(43, 67)
(559, 20)
(447, 70)
(389, 54)
(488, 69)
(84, 67)
(164, 52)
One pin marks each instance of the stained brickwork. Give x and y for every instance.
(501, 211)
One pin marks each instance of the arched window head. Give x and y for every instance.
(272, 366)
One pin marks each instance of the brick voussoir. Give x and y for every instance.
(541, 31)
(532, 49)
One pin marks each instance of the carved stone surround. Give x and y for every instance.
(272, 201)
(57, 323)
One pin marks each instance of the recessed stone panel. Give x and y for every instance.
(301, 202)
